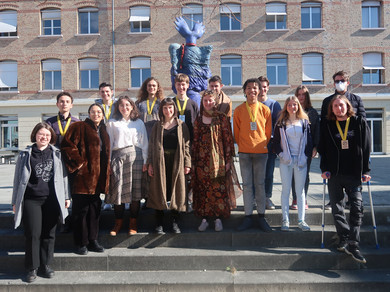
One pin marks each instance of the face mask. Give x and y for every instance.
(341, 86)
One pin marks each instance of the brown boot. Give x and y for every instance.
(133, 226)
(117, 227)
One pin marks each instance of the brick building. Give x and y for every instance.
(49, 46)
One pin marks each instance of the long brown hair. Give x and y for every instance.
(134, 114)
(143, 91)
(307, 102)
(284, 115)
(350, 112)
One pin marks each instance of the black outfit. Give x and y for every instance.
(191, 112)
(346, 167)
(355, 100)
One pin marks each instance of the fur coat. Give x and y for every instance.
(86, 157)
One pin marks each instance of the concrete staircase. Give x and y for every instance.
(209, 261)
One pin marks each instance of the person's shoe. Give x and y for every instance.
(303, 226)
(159, 229)
(95, 246)
(117, 227)
(354, 251)
(218, 225)
(285, 225)
(246, 224)
(203, 225)
(46, 272)
(107, 207)
(328, 206)
(31, 276)
(81, 250)
(263, 224)
(133, 226)
(294, 205)
(175, 228)
(306, 206)
(269, 205)
(342, 245)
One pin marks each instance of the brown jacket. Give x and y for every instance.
(224, 105)
(157, 192)
(89, 167)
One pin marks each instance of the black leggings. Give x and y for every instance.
(119, 210)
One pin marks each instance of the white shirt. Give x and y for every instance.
(128, 133)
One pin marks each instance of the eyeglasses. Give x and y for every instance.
(339, 81)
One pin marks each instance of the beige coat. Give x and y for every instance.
(157, 192)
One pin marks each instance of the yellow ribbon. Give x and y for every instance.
(62, 131)
(181, 110)
(253, 117)
(151, 109)
(343, 136)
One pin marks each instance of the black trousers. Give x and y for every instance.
(86, 215)
(40, 217)
(348, 231)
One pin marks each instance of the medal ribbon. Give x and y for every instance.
(150, 109)
(343, 135)
(181, 110)
(62, 132)
(253, 117)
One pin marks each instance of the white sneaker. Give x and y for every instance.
(303, 226)
(127, 206)
(269, 205)
(218, 225)
(107, 207)
(285, 225)
(203, 226)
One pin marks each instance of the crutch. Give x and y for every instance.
(323, 215)
(372, 214)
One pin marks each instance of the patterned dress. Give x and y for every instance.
(211, 151)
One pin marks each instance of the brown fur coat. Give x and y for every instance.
(89, 167)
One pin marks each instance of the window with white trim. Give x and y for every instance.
(372, 68)
(51, 74)
(8, 23)
(192, 13)
(139, 70)
(371, 14)
(51, 22)
(231, 70)
(230, 16)
(9, 138)
(88, 20)
(276, 16)
(312, 71)
(277, 69)
(311, 15)
(8, 76)
(89, 73)
(139, 19)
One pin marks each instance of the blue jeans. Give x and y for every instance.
(252, 166)
(269, 174)
(286, 173)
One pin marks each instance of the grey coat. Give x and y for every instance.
(22, 176)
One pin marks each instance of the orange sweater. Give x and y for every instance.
(250, 141)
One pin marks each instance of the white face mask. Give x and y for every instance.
(341, 86)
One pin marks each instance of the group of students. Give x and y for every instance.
(150, 148)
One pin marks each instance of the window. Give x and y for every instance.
(230, 16)
(139, 70)
(88, 20)
(375, 123)
(140, 19)
(276, 16)
(312, 69)
(8, 23)
(372, 68)
(8, 76)
(9, 133)
(89, 73)
(192, 13)
(51, 74)
(371, 14)
(51, 21)
(277, 69)
(231, 70)
(311, 15)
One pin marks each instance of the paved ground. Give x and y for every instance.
(380, 187)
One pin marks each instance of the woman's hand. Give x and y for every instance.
(314, 153)
(67, 204)
(150, 170)
(187, 170)
(144, 167)
(325, 175)
(366, 178)
(13, 208)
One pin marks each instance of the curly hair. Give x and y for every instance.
(143, 91)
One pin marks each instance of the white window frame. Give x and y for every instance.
(231, 10)
(52, 66)
(311, 5)
(141, 64)
(88, 64)
(8, 23)
(8, 75)
(275, 9)
(51, 15)
(231, 66)
(312, 68)
(88, 10)
(277, 67)
(140, 14)
(189, 11)
(373, 61)
(10, 127)
(369, 5)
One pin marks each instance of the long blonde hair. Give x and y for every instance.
(284, 115)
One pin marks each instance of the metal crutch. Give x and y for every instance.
(323, 216)
(372, 214)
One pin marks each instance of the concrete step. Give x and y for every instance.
(181, 259)
(13, 240)
(213, 281)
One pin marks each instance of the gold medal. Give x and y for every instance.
(344, 144)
